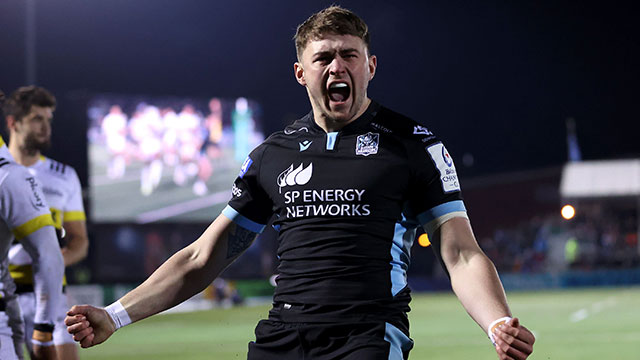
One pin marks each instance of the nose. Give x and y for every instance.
(46, 127)
(337, 66)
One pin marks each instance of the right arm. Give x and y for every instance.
(185, 274)
(26, 212)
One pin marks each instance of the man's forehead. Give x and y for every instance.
(334, 42)
(41, 110)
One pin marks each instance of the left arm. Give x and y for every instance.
(474, 279)
(74, 223)
(77, 242)
(475, 282)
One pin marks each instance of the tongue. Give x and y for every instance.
(336, 96)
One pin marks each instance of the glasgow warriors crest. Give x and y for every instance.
(367, 144)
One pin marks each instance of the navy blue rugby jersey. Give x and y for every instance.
(347, 205)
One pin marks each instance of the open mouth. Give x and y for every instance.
(339, 92)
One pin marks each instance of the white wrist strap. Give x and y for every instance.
(118, 314)
(494, 325)
(42, 343)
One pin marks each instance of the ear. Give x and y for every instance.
(11, 122)
(373, 64)
(298, 72)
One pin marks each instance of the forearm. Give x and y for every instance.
(176, 280)
(74, 252)
(474, 279)
(48, 269)
(476, 284)
(185, 274)
(77, 242)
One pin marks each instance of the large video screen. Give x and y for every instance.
(166, 159)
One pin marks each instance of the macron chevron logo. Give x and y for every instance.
(304, 145)
(298, 176)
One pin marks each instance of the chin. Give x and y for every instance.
(341, 112)
(339, 117)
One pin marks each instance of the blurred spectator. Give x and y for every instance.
(599, 237)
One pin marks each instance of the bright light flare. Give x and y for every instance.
(423, 240)
(568, 212)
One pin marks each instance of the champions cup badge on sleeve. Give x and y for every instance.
(367, 144)
(245, 166)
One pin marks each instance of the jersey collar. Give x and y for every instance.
(355, 126)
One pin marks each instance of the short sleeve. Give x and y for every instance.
(435, 194)
(250, 206)
(24, 208)
(74, 208)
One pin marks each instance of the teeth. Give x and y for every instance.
(338, 85)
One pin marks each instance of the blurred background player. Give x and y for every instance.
(146, 129)
(242, 122)
(170, 121)
(190, 140)
(25, 217)
(29, 113)
(212, 133)
(213, 125)
(114, 128)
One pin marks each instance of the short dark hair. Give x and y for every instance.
(332, 20)
(20, 102)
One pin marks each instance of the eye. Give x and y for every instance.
(323, 60)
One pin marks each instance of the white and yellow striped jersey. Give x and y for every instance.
(63, 193)
(23, 208)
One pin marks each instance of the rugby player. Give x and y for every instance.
(349, 184)
(24, 216)
(29, 113)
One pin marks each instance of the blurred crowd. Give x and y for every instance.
(598, 237)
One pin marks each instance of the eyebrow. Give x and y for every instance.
(349, 50)
(323, 53)
(41, 117)
(331, 52)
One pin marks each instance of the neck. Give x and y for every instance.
(21, 155)
(331, 125)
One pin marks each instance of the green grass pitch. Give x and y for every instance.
(602, 323)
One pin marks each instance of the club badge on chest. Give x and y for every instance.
(367, 144)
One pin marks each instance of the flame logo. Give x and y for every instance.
(298, 176)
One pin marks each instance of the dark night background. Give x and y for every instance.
(494, 79)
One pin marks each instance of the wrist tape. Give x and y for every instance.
(42, 334)
(494, 325)
(118, 314)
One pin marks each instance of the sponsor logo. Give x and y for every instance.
(36, 201)
(421, 130)
(245, 166)
(304, 145)
(235, 191)
(382, 128)
(298, 176)
(291, 131)
(326, 202)
(367, 144)
(444, 164)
